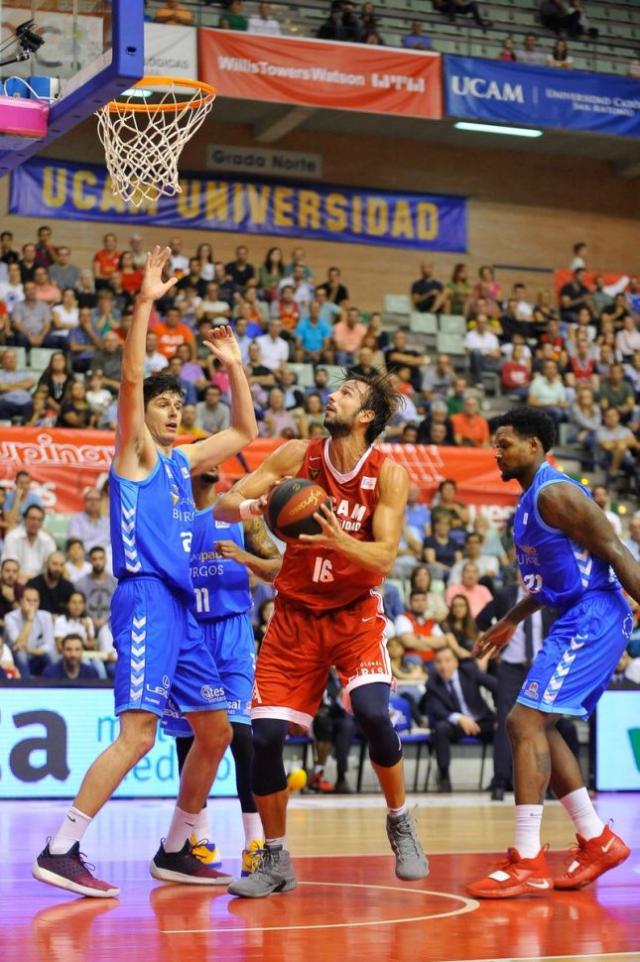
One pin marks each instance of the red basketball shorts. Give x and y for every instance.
(299, 647)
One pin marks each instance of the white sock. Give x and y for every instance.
(398, 812)
(183, 824)
(528, 823)
(252, 827)
(580, 810)
(72, 829)
(202, 830)
(276, 842)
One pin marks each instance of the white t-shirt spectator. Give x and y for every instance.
(485, 342)
(92, 533)
(105, 640)
(153, 363)
(266, 26)
(274, 351)
(73, 573)
(63, 626)
(30, 556)
(41, 634)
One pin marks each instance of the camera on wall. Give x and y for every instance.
(21, 45)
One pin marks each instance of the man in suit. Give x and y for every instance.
(456, 707)
(514, 664)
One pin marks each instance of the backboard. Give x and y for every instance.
(95, 48)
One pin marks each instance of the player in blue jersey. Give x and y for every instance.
(161, 650)
(222, 555)
(571, 559)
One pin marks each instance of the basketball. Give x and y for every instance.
(297, 780)
(291, 507)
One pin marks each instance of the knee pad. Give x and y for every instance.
(182, 750)
(242, 751)
(268, 774)
(370, 705)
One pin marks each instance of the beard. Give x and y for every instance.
(338, 427)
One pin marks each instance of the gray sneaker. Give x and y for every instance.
(411, 862)
(273, 876)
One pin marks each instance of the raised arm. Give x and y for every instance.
(135, 449)
(388, 520)
(284, 462)
(243, 427)
(565, 507)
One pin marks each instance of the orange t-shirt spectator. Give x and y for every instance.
(288, 310)
(107, 260)
(470, 429)
(172, 333)
(417, 633)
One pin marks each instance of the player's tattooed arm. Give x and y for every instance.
(564, 506)
(267, 560)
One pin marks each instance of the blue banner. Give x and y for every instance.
(496, 90)
(53, 188)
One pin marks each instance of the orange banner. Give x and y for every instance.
(63, 463)
(317, 73)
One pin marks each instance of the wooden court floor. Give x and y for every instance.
(348, 906)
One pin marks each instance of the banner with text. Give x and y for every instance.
(64, 462)
(53, 188)
(317, 73)
(496, 90)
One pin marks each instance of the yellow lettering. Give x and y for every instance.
(54, 186)
(336, 214)
(189, 199)
(238, 203)
(258, 198)
(308, 209)
(110, 201)
(283, 207)
(356, 215)
(428, 225)
(377, 216)
(217, 201)
(402, 224)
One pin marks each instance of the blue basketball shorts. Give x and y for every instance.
(232, 647)
(162, 655)
(579, 656)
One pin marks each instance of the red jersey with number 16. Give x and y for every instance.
(316, 577)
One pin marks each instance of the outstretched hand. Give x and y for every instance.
(492, 641)
(153, 287)
(222, 343)
(332, 534)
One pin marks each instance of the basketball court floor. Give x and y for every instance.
(349, 904)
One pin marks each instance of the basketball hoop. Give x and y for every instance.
(144, 131)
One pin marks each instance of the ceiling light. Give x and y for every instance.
(493, 129)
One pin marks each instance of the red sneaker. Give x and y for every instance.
(591, 857)
(516, 876)
(319, 784)
(72, 872)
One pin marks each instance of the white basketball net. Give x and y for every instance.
(143, 147)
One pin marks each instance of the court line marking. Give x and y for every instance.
(468, 905)
(558, 955)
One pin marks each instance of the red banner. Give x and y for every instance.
(63, 463)
(317, 73)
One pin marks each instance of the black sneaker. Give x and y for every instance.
(71, 872)
(184, 866)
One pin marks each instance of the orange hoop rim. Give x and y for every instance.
(115, 106)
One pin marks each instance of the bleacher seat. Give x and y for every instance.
(39, 359)
(304, 374)
(57, 524)
(452, 324)
(335, 372)
(397, 304)
(423, 323)
(452, 344)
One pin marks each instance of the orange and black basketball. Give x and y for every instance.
(291, 507)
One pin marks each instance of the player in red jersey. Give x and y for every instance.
(327, 612)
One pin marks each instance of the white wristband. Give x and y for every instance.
(245, 508)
